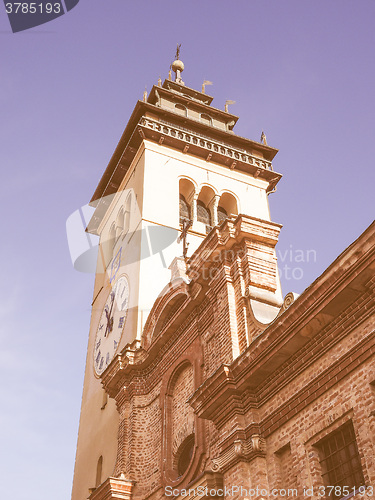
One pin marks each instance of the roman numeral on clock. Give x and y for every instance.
(98, 357)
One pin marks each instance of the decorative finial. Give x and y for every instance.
(205, 82)
(227, 102)
(178, 66)
(263, 138)
(145, 95)
(170, 74)
(159, 82)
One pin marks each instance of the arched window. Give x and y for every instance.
(184, 210)
(180, 109)
(127, 214)
(207, 120)
(221, 215)
(204, 207)
(186, 193)
(119, 223)
(227, 207)
(203, 214)
(99, 467)
(180, 423)
(112, 237)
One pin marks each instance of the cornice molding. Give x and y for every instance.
(240, 450)
(214, 150)
(225, 386)
(114, 488)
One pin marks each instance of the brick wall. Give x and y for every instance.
(257, 401)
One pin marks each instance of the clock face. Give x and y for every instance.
(111, 324)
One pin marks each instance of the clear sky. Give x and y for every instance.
(301, 70)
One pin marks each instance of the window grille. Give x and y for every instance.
(184, 209)
(203, 215)
(221, 215)
(340, 460)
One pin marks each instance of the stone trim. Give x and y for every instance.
(113, 489)
(207, 481)
(239, 451)
(212, 146)
(353, 358)
(193, 356)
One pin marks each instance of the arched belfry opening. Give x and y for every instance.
(227, 207)
(205, 208)
(187, 192)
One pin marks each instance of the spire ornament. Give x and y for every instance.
(178, 66)
(205, 82)
(263, 138)
(227, 103)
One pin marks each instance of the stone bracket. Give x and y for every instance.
(240, 450)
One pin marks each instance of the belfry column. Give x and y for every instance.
(194, 214)
(214, 203)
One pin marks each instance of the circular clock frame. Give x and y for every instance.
(111, 325)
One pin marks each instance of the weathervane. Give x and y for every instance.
(263, 138)
(177, 66)
(205, 82)
(177, 56)
(227, 102)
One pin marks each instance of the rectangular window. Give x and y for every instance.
(340, 460)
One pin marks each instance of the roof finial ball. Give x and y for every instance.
(178, 66)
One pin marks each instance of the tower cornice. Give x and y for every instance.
(166, 126)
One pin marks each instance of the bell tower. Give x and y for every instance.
(178, 172)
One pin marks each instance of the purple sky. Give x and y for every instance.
(301, 70)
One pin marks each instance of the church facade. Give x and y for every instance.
(201, 380)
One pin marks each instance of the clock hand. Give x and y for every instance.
(106, 328)
(109, 318)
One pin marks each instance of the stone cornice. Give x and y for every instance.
(290, 332)
(207, 481)
(356, 356)
(223, 387)
(231, 233)
(206, 147)
(132, 137)
(114, 488)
